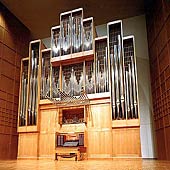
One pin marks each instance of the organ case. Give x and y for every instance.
(106, 70)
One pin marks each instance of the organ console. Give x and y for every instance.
(70, 146)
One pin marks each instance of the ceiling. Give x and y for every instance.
(40, 15)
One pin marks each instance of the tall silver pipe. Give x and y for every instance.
(98, 73)
(69, 35)
(23, 109)
(33, 91)
(81, 33)
(62, 38)
(104, 74)
(22, 99)
(72, 32)
(25, 100)
(127, 94)
(112, 70)
(107, 71)
(42, 79)
(31, 88)
(134, 88)
(131, 91)
(117, 91)
(36, 97)
(120, 59)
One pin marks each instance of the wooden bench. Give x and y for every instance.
(69, 153)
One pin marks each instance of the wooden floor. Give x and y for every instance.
(85, 165)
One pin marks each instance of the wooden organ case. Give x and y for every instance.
(79, 98)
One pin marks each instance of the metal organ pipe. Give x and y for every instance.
(31, 89)
(130, 91)
(112, 70)
(23, 97)
(131, 79)
(101, 61)
(134, 88)
(120, 59)
(123, 80)
(127, 94)
(117, 91)
(117, 69)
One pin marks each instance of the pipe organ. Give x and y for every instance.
(81, 85)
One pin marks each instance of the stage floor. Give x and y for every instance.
(85, 165)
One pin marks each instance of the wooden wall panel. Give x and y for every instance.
(4, 145)
(99, 131)
(49, 119)
(28, 146)
(14, 42)
(47, 146)
(8, 55)
(161, 144)
(100, 116)
(0, 55)
(126, 142)
(1, 34)
(99, 143)
(163, 61)
(158, 29)
(6, 84)
(167, 133)
(16, 89)
(166, 7)
(14, 142)
(167, 28)
(161, 40)
(9, 39)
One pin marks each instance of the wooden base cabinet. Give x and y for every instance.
(103, 138)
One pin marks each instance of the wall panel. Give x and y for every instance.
(28, 145)
(160, 74)
(161, 144)
(126, 142)
(8, 55)
(14, 42)
(167, 133)
(47, 145)
(166, 6)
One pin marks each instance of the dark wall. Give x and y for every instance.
(158, 28)
(14, 43)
